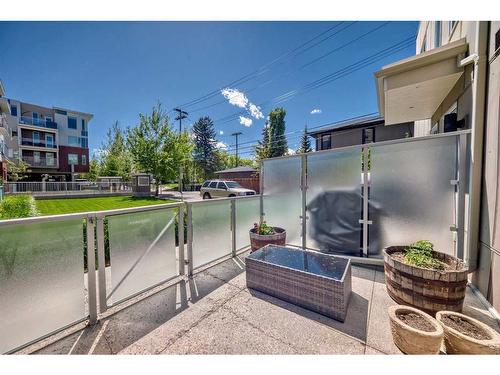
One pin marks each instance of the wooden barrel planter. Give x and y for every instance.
(426, 289)
(259, 240)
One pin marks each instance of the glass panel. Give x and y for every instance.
(411, 195)
(211, 231)
(334, 201)
(283, 197)
(141, 238)
(41, 280)
(247, 213)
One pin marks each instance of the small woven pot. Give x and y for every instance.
(458, 343)
(411, 340)
(257, 240)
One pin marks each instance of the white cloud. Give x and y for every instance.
(221, 145)
(255, 111)
(291, 152)
(246, 121)
(239, 99)
(235, 97)
(316, 111)
(221, 132)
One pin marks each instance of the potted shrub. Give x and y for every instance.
(466, 335)
(415, 332)
(418, 276)
(262, 234)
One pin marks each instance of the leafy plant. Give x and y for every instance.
(421, 254)
(18, 206)
(263, 229)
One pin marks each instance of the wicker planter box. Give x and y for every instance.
(315, 281)
(258, 241)
(426, 289)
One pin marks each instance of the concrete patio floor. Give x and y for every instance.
(214, 313)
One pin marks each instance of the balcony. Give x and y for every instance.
(40, 143)
(144, 285)
(40, 162)
(43, 123)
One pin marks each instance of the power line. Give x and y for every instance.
(349, 69)
(352, 41)
(264, 68)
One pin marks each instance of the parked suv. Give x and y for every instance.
(221, 188)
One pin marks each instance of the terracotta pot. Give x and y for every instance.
(459, 343)
(411, 340)
(426, 289)
(258, 240)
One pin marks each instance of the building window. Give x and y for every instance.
(73, 141)
(36, 157)
(73, 159)
(14, 133)
(437, 34)
(50, 159)
(326, 142)
(84, 125)
(424, 44)
(36, 138)
(84, 159)
(451, 25)
(84, 142)
(71, 122)
(497, 40)
(143, 181)
(49, 140)
(13, 110)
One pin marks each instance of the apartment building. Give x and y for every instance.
(53, 142)
(358, 131)
(453, 83)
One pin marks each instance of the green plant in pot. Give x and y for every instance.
(263, 234)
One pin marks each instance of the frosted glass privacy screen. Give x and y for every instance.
(334, 201)
(283, 196)
(142, 249)
(41, 279)
(247, 213)
(211, 231)
(411, 195)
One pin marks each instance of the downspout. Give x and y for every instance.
(479, 59)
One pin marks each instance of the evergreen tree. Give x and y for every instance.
(305, 143)
(115, 159)
(262, 149)
(205, 152)
(277, 139)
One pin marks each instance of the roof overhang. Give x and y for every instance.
(412, 89)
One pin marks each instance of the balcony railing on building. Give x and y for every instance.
(37, 143)
(40, 162)
(44, 123)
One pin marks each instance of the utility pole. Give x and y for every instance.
(181, 115)
(236, 136)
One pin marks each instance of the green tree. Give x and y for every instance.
(305, 143)
(17, 171)
(94, 168)
(227, 160)
(277, 139)
(114, 157)
(205, 152)
(147, 142)
(263, 147)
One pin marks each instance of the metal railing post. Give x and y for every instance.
(261, 191)
(233, 227)
(365, 221)
(303, 188)
(91, 279)
(101, 258)
(461, 187)
(189, 219)
(180, 236)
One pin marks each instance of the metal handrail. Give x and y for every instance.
(37, 122)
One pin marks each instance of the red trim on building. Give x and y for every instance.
(63, 159)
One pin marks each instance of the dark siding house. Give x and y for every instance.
(359, 131)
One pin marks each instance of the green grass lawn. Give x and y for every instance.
(72, 205)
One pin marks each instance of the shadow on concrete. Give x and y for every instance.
(144, 313)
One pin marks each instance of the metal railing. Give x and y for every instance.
(40, 162)
(39, 143)
(137, 249)
(63, 188)
(402, 192)
(44, 123)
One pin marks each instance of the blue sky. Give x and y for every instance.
(117, 70)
